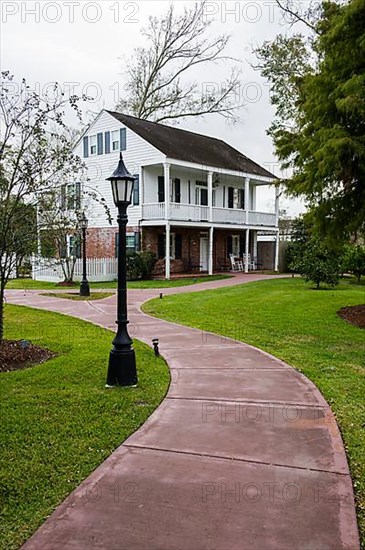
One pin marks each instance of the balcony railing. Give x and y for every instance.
(194, 213)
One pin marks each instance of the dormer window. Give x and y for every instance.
(92, 145)
(115, 140)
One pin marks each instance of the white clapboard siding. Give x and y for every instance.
(100, 167)
(98, 269)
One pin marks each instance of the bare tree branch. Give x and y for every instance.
(298, 17)
(157, 77)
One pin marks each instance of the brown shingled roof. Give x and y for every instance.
(183, 145)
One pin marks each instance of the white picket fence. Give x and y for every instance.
(98, 269)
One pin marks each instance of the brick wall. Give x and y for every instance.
(190, 249)
(100, 242)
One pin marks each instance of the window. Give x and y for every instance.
(175, 246)
(236, 245)
(115, 140)
(71, 197)
(74, 246)
(175, 190)
(131, 243)
(93, 145)
(201, 193)
(236, 198)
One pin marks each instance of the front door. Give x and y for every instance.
(204, 253)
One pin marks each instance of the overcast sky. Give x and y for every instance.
(83, 45)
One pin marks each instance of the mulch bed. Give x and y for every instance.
(354, 315)
(19, 354)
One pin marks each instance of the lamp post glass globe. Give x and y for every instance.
(84, 285)
(122, 370)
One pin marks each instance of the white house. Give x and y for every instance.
(194, 201)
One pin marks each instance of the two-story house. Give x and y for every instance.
(194, 201)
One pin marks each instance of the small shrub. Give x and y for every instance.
(139, 265)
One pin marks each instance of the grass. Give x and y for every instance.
(29, 284)
(58, 421)
(299, 325)
(77, 297)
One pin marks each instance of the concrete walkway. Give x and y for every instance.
(243, 453)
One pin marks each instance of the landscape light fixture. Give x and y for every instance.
(84, 285)
(122, 369)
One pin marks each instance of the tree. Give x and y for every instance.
(354, 260)
(300, 236)
(319, 135)
(157, 78)
(17, 239)
(33, 159)
(59, 214)
(319, 263)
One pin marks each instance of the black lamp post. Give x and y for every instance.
(122, 360)
(84, 285)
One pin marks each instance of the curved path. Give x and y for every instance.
(243, 453)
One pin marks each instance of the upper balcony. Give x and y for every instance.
(193, 213)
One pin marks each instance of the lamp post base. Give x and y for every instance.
(84, 288)
(122, 369)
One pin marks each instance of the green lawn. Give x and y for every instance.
(29, 284)
(299, 325)
(58, 422)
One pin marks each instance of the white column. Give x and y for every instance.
(210, 195)
(211, 241)
(166, 168)
(141, 186)
(247, 249)
(167, 252)
(253, 205)
(277, 204)
(247, 197)
(254, 251)
(277, 242)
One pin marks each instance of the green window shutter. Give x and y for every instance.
(177, 190)
(78, 247)
(136, 190)
(137, 241)
(78, 195)
(230, 197)
(86, 146)
(161, 189)
(116, 244)
(99, 138)
(178, 246)
(123, 139)
(107, 142)
(242, 199)
(161, 246)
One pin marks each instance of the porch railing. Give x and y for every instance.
(195, 213)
